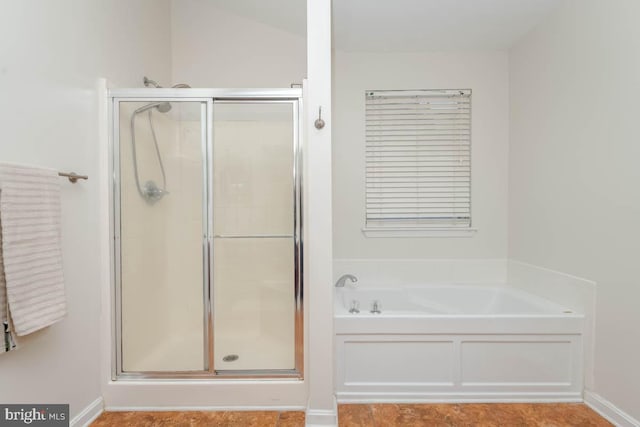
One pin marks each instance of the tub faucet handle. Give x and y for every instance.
(355, 307)
(376, 307)
(341, 281)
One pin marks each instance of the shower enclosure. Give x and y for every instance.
(207, 248)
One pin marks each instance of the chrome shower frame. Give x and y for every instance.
(207, 98)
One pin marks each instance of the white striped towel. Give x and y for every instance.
(31, 246)
(9, 341)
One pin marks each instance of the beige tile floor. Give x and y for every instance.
(463, 415)
(201, 418)
(379, 415)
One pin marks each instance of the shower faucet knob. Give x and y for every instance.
(375, 307)
(152, 193)
(355, 307)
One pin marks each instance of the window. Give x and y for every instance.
(418, 161)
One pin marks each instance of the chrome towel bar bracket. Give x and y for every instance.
(73, 177)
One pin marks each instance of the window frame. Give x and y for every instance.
(422, 230)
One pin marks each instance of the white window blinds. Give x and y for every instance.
(418, 159)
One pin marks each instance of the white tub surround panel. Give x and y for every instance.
(458, 368)
(573, 292)
(430, 343)
(398, 272)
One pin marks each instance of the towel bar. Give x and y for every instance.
(73, 177)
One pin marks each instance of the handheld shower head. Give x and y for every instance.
(150, 191)
(162, 107)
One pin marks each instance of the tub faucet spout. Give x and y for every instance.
(342, 280)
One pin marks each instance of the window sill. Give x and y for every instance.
(419, 232)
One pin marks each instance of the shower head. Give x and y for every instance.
(148, 82)
(152, 83)
(162, 107)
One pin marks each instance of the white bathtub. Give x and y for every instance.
(456, 343)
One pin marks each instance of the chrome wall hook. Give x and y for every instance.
(319, 123)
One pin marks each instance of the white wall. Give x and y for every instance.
(51, 55)
(574, 202)
(487, 75)
(213, 47)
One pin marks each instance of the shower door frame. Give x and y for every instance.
(207, 98)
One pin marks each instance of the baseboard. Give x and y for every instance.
(609, 410)
(322, 417)
(568, 397)
(88, 414)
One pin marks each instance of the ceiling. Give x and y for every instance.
(407, 25)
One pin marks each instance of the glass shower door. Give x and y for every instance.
(159, 225)
(206, 221)
(255, 236)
